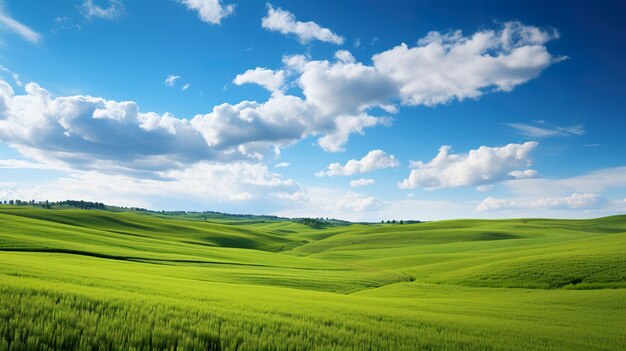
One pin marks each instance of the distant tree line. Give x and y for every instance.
(317, 222)
(86, 205)
(393, 221)
(49, 204)
(320, 222)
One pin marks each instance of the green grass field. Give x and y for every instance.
(91, 279)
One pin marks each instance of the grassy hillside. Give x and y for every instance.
(91, 279)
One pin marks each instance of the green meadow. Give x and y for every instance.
(94, 279)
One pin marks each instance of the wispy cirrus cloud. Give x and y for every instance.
(541, 129)
(114, 10)
(171, 79)
(10, 24)
(361, 182)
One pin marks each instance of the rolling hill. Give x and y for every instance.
(94, 279)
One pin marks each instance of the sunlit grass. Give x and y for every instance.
(72, 279)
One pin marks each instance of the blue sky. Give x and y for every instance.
(361, 110)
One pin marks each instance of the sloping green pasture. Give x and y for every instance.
(78, 279)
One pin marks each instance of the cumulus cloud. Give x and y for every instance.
(375, 159)
(282, 165)
(337, 100)
(444, 67)
(339, 94)
(484, 165)
(439, 69)
(343, 126)
(575, 201)
(345, 56)
(267, 78)
(114, 10)
(543, 130)
(171, 79)
(13, 25)
(91, 132)
(210, 11)
(279, 20)
(342, 87)
(361, 182)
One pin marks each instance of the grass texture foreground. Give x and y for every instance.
(98, 280)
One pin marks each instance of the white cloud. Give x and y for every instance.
(575, 201)
(282, 165)
(11, 24)
(486, 165)
(23, 164)
(279, 20)
(443, 67)
(115, 10)
(439, 69)
(527, 173)
(210, 11)
(86, 132)
(211, 184)
(186, 86)
(597, 182)
(583, 196)
(343, 126)
(171, 79)
(342, 87)
(267, 78)
(361, 182)
(334, 203)
(354, 206)
(484, 188)
(375, 159)
(345, 56)
(543, 130)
